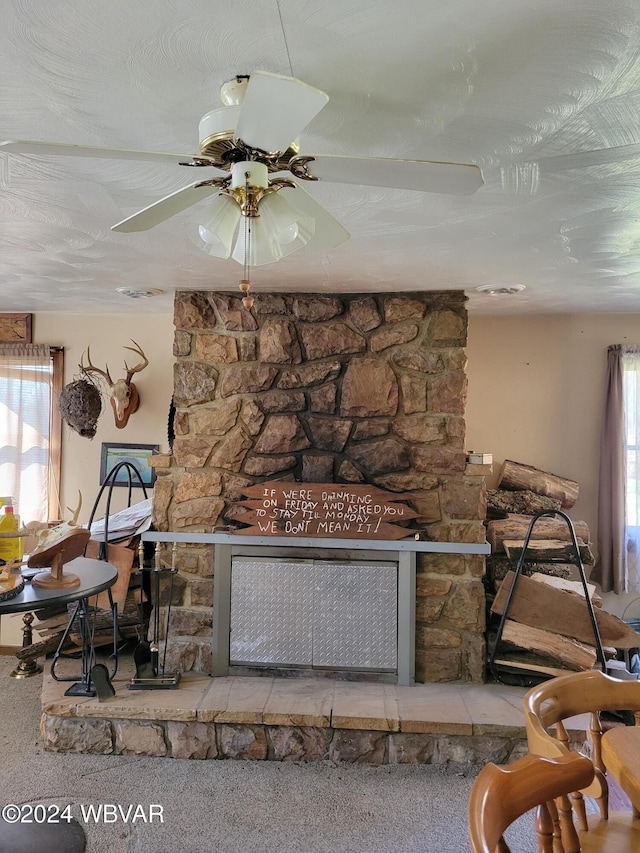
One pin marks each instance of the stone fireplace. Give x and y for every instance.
(326, 389)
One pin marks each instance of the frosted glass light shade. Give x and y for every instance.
(263, 249)
(288, 226)
(217, 231)
(279, 230)
(328, 232)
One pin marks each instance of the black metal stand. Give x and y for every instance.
(83, 613)
(577, 562)
(85, 616)
(132, 475)
(109, 482)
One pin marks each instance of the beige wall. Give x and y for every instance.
(536, 392)
(107, 335)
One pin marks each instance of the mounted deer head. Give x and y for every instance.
(123, 393)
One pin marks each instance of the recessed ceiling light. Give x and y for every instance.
(499, 289)
(138, 294)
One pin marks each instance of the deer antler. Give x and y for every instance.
(141, 366)
(75, 512)
(92, 369)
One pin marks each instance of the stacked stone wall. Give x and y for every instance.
(209, 740)
(344, 389)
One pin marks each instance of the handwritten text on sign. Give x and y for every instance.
(325, 509)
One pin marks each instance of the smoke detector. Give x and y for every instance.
(500, 289)
(138, 294)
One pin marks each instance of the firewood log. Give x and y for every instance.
(563, 650)
(548, 550)
(515, 475)
(501, 502)
(517, 526)
(542, 606)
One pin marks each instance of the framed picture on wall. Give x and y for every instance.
(15, 328)
(136, 454)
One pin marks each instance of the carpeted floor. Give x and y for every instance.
(235, 806)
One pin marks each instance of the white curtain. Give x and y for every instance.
(25, 409)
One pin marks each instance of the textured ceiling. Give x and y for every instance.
(525, 90)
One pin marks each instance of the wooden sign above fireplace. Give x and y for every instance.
(325, 509)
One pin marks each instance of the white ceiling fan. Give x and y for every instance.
(247, 142)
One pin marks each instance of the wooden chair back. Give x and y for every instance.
(548, 705)
(501, 794)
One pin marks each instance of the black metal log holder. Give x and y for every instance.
(134, 480)
(109, 482)
(150, 675)
(83, 613)
(577, 562)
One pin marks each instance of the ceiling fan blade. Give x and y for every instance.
(328, 231)
(165, 208)
(583, 159)
(60, 149)
(276, 110)
(421, 175)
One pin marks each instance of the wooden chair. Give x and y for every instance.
(501, 794)
(546, 708)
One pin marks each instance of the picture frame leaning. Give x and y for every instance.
(136, 454)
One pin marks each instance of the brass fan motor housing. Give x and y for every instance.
(221, 150)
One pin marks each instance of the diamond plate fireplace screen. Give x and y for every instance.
(314, 614)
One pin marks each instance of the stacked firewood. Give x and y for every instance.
(548, 627)
(522, 492)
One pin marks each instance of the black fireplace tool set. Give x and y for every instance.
(146, 655)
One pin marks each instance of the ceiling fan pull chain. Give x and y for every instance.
(245, 283)
(247, 231)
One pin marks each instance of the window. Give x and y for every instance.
(31, 428)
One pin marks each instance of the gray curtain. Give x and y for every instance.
(612, 568)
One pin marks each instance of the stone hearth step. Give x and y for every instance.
(302, 719)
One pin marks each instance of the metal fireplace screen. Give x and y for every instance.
(314, 613)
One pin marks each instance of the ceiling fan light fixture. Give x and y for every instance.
(250, 222)
(500, 289)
